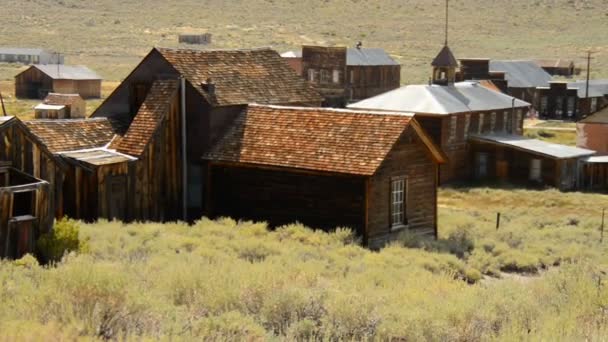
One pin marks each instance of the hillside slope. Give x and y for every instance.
(111, 36)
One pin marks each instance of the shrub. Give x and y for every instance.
(230, 326)
(63, 238)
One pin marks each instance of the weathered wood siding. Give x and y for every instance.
(369, 81)
(32, 84)
(87, 89)
(411, 159)
(282, 197)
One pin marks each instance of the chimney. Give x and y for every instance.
(209, 87)
(359, 45)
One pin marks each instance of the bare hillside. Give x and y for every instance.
(111, 36)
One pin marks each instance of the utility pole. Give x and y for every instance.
(588, 73)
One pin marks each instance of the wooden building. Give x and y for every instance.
(522, 160)
(45, 111)
(375, 173)
(344, 75)
(38, 81)
(294, 59)
(523, 77)
(558, 67)
(161, 123)
(592, 132)
(29, 56)
(74, 105)
(451, 112)
(24, 212)
(196, 39)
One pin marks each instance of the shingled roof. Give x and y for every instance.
(148, 118)
(61, 99)
(242, 76)
(316, 139)
(445, 58)
(71, 135)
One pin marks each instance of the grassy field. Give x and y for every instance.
(111, 36)
(540, 277)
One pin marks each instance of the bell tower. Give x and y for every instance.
(445, 64)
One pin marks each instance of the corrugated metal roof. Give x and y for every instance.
(20, 51)
(522, 74)
(534, 146)
(597, 88)
(67, 72)
(44, 106)
(597, 159)
(97, 157)
(463, 97)
(369, 57)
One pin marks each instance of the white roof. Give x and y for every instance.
(292, 54)
(462, 97)
(597, 159)
(67, 72)
(20, 51)
(535, 146)
(44, 106)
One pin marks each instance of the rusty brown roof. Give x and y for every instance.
(445, 58)
(61, 99)
(330, 140)
(151, 113)
(242, 76)
(71, 135)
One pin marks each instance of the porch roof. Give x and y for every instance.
(534, 146)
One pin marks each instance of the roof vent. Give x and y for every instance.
(209, 86)
(359, 45)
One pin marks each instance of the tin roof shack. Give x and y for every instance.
(24, 212)
(558, 101)
(375, 173)
(45, 111)
(294, 59)
(558, 67)
(29, 56)
(75, 106)
(591, 98)
(38, 81)
(523, 77)
(523, 160)
(343, 75)
(592, 132)
(218, 85)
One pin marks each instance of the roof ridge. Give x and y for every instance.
(261, 48)
(332, 110)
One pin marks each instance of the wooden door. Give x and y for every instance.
(20, 239)
(117, 197)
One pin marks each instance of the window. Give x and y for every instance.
(505, 119)
(336, 76)
(480, 128)
(543, 105)
(352, 76)
(571, 105)
(453, 124)
(467, 125)
(312, 75)
(398, 202)
(559, 106)
(325, 76)
(518, 121)
(493, 122)
(535, 169)
(481, 163)
(593, 104)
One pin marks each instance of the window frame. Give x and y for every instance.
(480, 123)
(335, 76)
(395, 203)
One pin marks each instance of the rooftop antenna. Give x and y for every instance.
(446, 21)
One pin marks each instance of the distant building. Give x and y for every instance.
(344, 75)
(558, 67)
(195, 39)
(523, 77)
(294, 59)
(38, 81)
(29, 56)
(592, 132)
(572, 100)
(75, 106)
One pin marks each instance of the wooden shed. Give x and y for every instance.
(375, 173)
(75, 105)
(25, 211)
(38, 81)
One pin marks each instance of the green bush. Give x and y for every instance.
(62, 239)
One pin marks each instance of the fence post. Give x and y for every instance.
(497, 221)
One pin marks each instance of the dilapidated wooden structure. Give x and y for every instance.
(37, 81)
(178, 103)
(344, 75)
(75, 106)
(24, 211)
(375, 173)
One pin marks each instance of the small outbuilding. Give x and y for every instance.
(38, 81)
(75, 105)
(373, 172)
